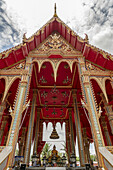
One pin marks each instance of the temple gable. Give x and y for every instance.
(57, 44)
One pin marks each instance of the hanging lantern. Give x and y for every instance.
(54, 134)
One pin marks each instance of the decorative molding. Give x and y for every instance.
(55, 63)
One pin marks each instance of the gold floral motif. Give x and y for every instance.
(90, 66)
(20, 66)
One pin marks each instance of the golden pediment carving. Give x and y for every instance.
(56, 44)
(89, 66)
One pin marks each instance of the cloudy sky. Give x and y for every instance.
(94, 17)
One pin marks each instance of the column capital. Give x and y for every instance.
(24, 128)
(35, 91)
(28, 60)
(69, 110)
(81, 60)
(103, 122)
(38, 110)
(86, 79)
(109, 107)
(74, 92)
(102, 96)
(110, 117)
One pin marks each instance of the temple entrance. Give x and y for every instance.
(55, 78)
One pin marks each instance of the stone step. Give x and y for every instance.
(55, 168)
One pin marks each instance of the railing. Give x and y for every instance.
(4, 155)
(107, 158)
(110, 149)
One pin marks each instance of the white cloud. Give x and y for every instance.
(84, 16)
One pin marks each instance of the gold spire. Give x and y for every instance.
(55, 14)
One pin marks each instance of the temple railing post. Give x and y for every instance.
(20, 103)
(90, 102)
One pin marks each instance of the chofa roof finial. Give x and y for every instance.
(55, 14)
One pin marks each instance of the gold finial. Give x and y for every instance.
(55, 14)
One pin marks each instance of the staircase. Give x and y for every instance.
(107, 157)
(4, 155)
(110, 149)
(55, 168)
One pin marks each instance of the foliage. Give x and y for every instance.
(46, 150)
(16, 152)
(65, 149)
(93, 157)
(77, 159)
(60, 154)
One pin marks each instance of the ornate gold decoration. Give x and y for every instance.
(90, 66)
(65, 94)
(58, 44)
(105, 55)
(24, 38)
(19, 66)
(86, 38)
(42, 80)
(62, 114)
(67, 80)
(54, 134)
(54, 90)
(44, 94)
(55, 14)
(54, 112)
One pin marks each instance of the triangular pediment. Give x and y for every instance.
(68, 44)
(55, 44)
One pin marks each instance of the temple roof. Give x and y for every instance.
(18, 53)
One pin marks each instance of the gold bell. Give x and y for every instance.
(54, 134)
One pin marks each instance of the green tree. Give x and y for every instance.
(77, 159)
(16, 152)
(93, 157)
(64, 149)
(46, 150)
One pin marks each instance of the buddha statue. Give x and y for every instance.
(54, 153)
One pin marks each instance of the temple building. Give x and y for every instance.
(56, 76)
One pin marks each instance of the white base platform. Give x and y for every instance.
(55, 168)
